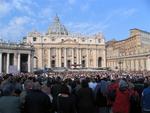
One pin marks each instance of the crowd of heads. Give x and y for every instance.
(66, 84)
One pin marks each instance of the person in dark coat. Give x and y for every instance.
(55, 90)
(8, 102)
(65, 101)
(85, 98)
(145, 101)
(101, 97)
(36, 101)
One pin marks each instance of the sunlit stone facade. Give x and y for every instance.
(15, 58)
(59, 48)
(131, 54)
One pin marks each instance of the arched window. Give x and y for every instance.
(35, 62)
(34, 38)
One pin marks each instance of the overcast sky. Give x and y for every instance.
(114, 18)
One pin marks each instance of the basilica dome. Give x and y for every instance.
(57, 28)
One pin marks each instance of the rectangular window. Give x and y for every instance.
(34, 39)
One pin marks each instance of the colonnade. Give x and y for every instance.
(130, 64)
(79, 57)
(13, 62)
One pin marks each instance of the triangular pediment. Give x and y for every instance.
(69, 41)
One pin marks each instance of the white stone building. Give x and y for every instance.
(131, 54)
(59, 48)
(15, 57)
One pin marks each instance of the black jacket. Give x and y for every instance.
(37, 102)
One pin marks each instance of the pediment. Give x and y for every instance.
(69, 41)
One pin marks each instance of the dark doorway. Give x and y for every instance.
(53, 63)
(35, 62)
(11, 59)
(62, 64)
(68, 63)
(83, 63)
(24, 63)
(4, 62)
(100, 62)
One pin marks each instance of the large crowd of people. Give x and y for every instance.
(75, 92)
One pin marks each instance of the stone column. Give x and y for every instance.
(18, 65)
(142, 64)
(87, 58)
(136, 64)
(139, 64)
(49, 58)
(94, 58)
(65, 59)
(15, 59)
(72, 55)
(145, 64)
(125, 65)
(104, 58)
(0, 62)
(148, 63)
(29, 63)
(128, 64)
(77, 55)
(7, 69)
(80, 57)
(132, 65)
(113, 64)
(32, 61)
(59, 57)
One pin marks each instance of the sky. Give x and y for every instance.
(113, 18)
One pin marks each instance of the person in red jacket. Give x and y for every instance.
(122, 100)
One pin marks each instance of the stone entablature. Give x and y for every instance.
(15, 46)
(95, 39)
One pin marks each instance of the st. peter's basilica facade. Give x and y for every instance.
(59, 48)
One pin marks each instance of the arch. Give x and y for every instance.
(24, 63)
(68, 63)
(99, 61)
(35, 59)
(53, 63)
(83, 63)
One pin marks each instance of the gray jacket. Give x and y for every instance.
(10, 104)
